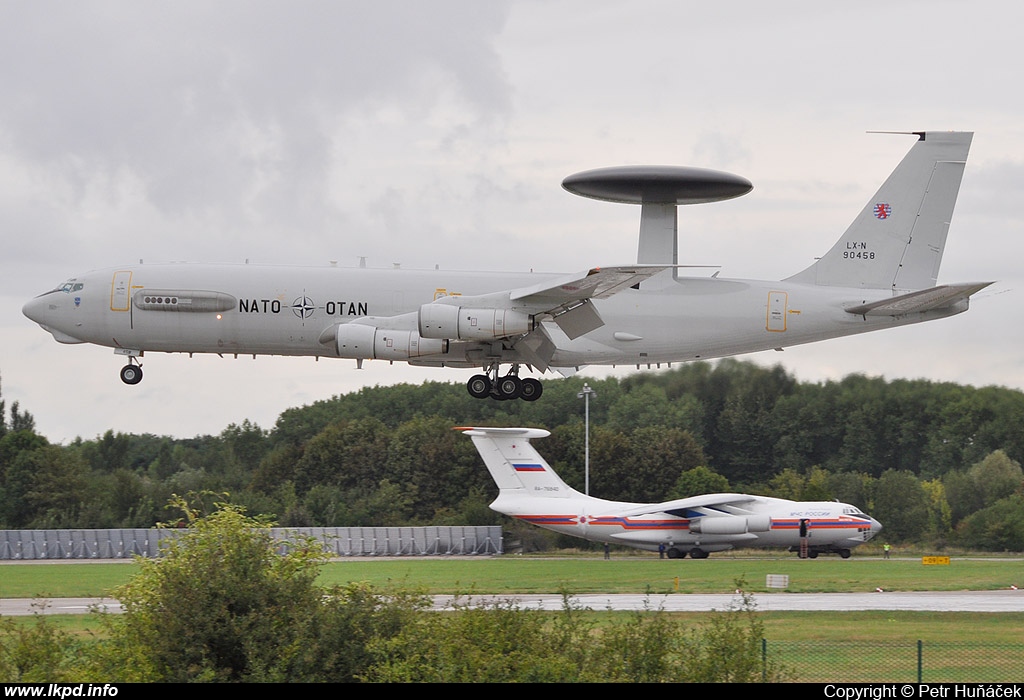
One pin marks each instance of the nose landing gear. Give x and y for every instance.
(131, 373)
(505, 388)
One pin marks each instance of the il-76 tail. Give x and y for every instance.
(531, 491)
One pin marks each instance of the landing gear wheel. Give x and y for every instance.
(674, 553)
(812, 554)
(479, 386)
(844, 553)
(131, 374)
(510, 387)
(698, 554)
(532, 389)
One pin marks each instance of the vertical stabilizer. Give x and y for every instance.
(516, 467)
(897, 240)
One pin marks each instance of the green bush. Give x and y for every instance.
(36, 653)
(224, 604)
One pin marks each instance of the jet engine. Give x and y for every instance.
(730, 524)
(358, 341)
(460, 323)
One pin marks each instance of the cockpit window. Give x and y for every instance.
(850, 510)
(70, 286)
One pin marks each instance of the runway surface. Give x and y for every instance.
(927, 601)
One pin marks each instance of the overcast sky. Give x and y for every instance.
(438, 133)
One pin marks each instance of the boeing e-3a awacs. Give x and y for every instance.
(529, 490)
(881, 273)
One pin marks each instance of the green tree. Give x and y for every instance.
(990, 480)
(939, 512)
(698, 481)
(998, 528)
(3, 415)
(44, 488)
(901, 504)
(21, 420)
(346, 453)
(851, 487)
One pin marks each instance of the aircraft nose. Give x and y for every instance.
(876, 527)
(36, 308)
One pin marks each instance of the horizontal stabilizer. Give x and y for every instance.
(941, 297)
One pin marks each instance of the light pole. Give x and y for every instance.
(585, 395)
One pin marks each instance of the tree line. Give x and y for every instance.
(936, 463)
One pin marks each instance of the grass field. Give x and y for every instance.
(512, 574)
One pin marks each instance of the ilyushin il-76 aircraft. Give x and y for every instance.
(529, 490)
(881, 273)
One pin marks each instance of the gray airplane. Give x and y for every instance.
(530, 490)
(880, 274)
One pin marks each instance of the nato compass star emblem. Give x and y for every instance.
(303, 307)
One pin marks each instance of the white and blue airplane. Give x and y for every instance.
(881, 273)
(529, 490)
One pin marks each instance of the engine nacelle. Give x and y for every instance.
(730, 524)
(460, 323)
(357, 341)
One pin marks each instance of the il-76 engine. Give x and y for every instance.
(730, 524)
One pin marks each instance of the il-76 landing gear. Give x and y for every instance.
(505, 388)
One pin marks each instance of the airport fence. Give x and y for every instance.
(897, 662)
(336, 541)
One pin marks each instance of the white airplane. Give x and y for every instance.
(880, 274)
(530, 490)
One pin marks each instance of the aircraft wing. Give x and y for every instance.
(595, 283)
(940, 297)
(567, 302)
(709, 500)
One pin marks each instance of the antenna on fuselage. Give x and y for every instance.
(659, 190)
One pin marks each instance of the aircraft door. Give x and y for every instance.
(120, 291)
(777, 302)
(121, 300)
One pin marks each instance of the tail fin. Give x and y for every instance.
(897, 240)
(515, 466)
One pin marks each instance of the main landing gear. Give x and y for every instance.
(506, 388)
